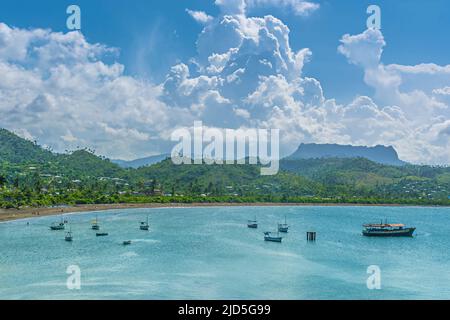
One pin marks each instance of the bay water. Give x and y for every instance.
(209, 253)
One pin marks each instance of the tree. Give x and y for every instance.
(153, 186)
(3, 181)
(16, 182)
(210, 188)
(37, 182)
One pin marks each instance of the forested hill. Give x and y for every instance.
(82, 163)
(20, 154)
(30, 175)
(14, 149)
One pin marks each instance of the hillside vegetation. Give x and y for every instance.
(32, 176)
(16, 150)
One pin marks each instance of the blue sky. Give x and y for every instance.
(160, 33)
(399, 99)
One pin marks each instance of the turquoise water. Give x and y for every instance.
(209, 253)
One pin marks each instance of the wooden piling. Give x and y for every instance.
(311, 236)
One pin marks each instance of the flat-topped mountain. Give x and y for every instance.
(379, 154)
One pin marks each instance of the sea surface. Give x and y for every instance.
(209, 253)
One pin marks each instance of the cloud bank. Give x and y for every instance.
(298, 7)
(55, 88)
(60, 89)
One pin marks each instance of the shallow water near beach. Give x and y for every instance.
(209, 253)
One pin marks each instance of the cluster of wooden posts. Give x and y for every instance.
(311, 236)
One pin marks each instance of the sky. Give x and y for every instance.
(137, 70)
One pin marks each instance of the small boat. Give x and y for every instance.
(57, 226)
(101, 234)
(69, 237)
(144, 225)
(269, 236)
(126, 243)
(252, 224)
(283, 227)
(95, 225)
(387, 230)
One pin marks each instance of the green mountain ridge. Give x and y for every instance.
(14, 149)
(30, 175)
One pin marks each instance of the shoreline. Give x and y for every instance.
(25, 213)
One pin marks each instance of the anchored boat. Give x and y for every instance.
(102, 234)
(95, 225)
(252, 224)
(283, 227)
(69, 237)
(269, 236)
(387, 230)
(55, 226)
(144, 225)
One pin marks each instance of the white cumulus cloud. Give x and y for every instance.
(199, 16)
(59, 89)
(418, 93)
(299, 7)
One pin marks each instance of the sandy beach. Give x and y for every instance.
(24, 213)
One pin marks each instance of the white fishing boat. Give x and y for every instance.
(56, 226)
(252, 224)
(69, 236)
(144, 225)
(283, 227)
(272, 237)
